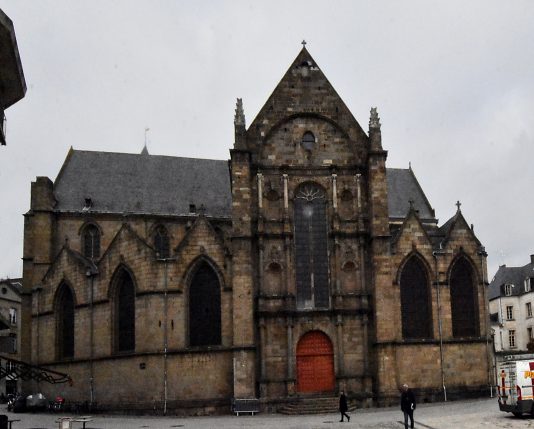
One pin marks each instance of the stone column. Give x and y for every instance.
(286, 196)
(334, 191)
(340, 348)
(290, 358)
(260, 192)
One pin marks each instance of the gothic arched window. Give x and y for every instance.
(124, 311)
(415, 300)
(204, 307)
(91, 241)
(464, 306)
(161, 242)
(311, 251)
(308, 140)
(65, 322)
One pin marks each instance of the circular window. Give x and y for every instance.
(308, 140)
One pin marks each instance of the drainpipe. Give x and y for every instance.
(165, 331)
(482, 253)
(440, 325)
(38, 288)
(90, 276)
(165, 341)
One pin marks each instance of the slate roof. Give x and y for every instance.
(142, 183)
(166, 185)
(510, 275)
(403, 187)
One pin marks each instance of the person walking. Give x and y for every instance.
(407, 405)
(343, 406)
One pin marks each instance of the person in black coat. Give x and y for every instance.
(407, 405)
(343, 406)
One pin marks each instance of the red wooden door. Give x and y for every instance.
(315, 363)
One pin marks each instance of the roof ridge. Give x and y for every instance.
(140, 155)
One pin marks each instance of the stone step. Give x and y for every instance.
(314, 406)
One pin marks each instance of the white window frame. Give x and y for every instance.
(529, 333)
(529, 309)
(509, 312)
(508, 289)
(528, 285)
(13, 315)
(511, 338)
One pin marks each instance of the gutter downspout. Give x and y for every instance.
(90, 274)
(482, 253)
(165, 331)
(165, 341)
(440, 325)
(38, 289)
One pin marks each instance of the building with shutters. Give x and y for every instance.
(12, 82)
(300, 267)
(9, 330)
(511, 296)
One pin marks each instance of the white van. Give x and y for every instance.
(515, 386)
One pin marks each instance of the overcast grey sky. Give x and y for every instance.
(453, 82)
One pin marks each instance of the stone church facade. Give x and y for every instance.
(300, 267)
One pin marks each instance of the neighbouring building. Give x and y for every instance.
(300, 267)
(12, 83)
(511, 297)
(10, 304)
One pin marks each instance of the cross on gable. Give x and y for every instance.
(303, 43)
(458, 204)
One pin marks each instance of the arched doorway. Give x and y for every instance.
(315, 363)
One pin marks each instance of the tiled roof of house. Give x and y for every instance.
(510, 275)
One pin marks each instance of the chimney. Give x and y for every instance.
(532, 259)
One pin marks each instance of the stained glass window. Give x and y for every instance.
(66, 323)
(311, 251)
(463, 300)
(204, 307)
(415, 300)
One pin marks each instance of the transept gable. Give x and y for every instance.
(412, 234)
(69, 267)
(69, 260)
(304, 91)
(457, 230)
(126, 234)
(201, 236)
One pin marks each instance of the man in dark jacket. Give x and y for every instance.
(407, 405)
(343, 406)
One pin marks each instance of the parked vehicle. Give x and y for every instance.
(17, 403)
(515, 380)
(57, 405)
(36, 402)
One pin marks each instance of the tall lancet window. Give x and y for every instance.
(311, 249)
(415, 300)
(65, 323)
(91, 242)
(161, 242)
(464, 305)
(124, 311)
